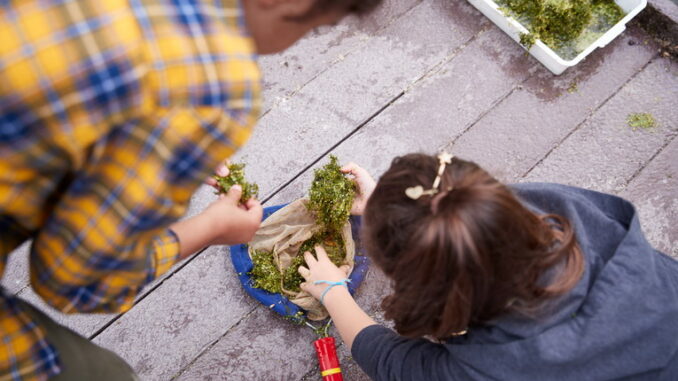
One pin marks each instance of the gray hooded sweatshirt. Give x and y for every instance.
(620, 322)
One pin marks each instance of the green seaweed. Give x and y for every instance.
(235, 176)
(330, 200)
(566, 26)
(331, 241)
(291, 279)
(331, 196)
(265, 273)
(527, 40)
(333, 244)
(642, 120)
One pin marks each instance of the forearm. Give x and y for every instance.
(194, 234)
(348, 317)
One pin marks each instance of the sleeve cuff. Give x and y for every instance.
(165, 252)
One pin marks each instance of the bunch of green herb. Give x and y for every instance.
(331, 196)
(235, 176)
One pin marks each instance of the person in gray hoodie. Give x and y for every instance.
(495, 282)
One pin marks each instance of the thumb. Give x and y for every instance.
(234, 194)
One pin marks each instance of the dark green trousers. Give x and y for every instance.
(80, 358)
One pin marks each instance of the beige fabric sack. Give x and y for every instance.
(283, 233)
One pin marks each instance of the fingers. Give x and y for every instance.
(346, 269)
(304, 272)
(222, 169)
(322, 254)
(211, 181)
(350, 168)
(310, 260)
(234, 194)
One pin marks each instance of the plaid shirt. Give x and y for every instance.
(112, 113)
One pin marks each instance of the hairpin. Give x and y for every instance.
(415, 192)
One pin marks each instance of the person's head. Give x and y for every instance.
(277, 24)
(466, 255)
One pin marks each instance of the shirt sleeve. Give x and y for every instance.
(385, 355)
(108, 234)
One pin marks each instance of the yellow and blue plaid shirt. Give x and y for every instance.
(111, 115)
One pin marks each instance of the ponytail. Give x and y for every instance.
(466, 256)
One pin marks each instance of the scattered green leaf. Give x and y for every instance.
(574, 86)
(642, 120)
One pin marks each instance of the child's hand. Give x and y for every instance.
(233, 223)
(366, 185)
(320, 269)
(222, 170)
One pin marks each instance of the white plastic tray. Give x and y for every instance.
(543, 53)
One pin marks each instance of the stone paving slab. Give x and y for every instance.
(399, 130)
(655, 193)
(262, 347)
(16, 278)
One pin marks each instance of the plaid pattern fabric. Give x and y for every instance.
(111, 115)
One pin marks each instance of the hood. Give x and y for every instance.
(621, 319)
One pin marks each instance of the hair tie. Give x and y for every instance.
(415, 192)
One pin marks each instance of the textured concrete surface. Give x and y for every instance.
(419, 75)
(655, 193)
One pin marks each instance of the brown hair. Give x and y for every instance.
(466, 256)
(358, 7)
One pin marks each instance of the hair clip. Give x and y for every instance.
(415, 192)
